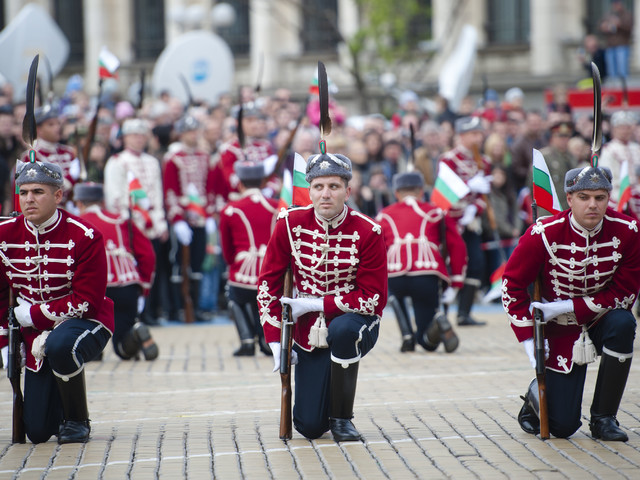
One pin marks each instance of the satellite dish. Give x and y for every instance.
(203, 58)
(32, 31)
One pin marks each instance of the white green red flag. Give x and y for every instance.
(286, 194)
(495, 290)
(625, 186)
(544, 193)
(449, 188)
(300, 197)
(196, 204)
(138, 199)
(108, 64)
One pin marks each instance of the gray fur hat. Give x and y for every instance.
(40, 172)
(88, 192)
(468, 124)
(187, 123)
(135, 125)
(327, 165)
(42, 114)
(407, 180)
(588, 178)
(249, 170)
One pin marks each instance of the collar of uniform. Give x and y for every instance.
(95, 208)
(583, 231)
(44, 145)
(332, 222)
(249, 192)
(47, 225)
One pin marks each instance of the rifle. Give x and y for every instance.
(285, 361)
(14, 372)
(538, 340)
(189, 314)
(91, 133)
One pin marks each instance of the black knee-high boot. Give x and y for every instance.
(75, 427)
(612, 378)
(343, 394)
(466, 298)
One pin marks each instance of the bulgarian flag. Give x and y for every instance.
(625, 186)
(138, 199)
(544, 193)
(300, 197)
(195, 205)
(108, 64)
(286, 194)
(448, 189)
(495, 290)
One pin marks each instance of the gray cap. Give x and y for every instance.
(468, 124)
(135, 125)
(249, 170)
(40, 172)
(407, 180)
(187, 123)
(88, 192)
(588, 178)
(622, 117)
(327, 165)
(42, 114)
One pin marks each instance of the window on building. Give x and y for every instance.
(596, 9)
(508, 22)
(2, 19)
(237, 35)
(419, 28)
(69, 17)
(320, 26)
(149, 37)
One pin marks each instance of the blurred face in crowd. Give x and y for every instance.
(135, 141)
(190, 138)
(6, 125)
(560, 140)
(328, 195)
(622, 132)
(50, 130)
(39, 201)
(252, 126)
(471, 139)
(588, 206)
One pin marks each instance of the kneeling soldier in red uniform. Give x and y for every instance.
(588, 259)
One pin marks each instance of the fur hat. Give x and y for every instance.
(468, 124)
(135, 125)
(88, 192)
(42, 114)
(407, 180)
(588, 178)
(39, 172)
(187, 123)
(327, 165)
(249, 170)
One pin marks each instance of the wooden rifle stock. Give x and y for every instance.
(285, 361)
(14, 372)
(187, 302)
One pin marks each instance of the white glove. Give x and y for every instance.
(480, 183)
(275, 348)
(300, 306)
(449, 295)
(23, 312)
(552, 309)
(74, 169)
(4, 353)
(210, 226)
(530, 348)
(141, 302)
(468, 215)
(183, 232)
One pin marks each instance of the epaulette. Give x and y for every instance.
(88, 232)
(284, 212)
(631, 224)
(375, 226)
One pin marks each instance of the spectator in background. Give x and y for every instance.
(592, 51)
(9, 150)
(513, 100)
(558, 158)
(617, 29)
(496, 149)
(533, 137)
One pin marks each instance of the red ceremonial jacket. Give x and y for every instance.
(60, 267)
(61, 155)
(342, 261)
(413, 235)
(245, 228)
(186, 169)
(461, 161)
(599, 270)
(128, 263)
(255, 150)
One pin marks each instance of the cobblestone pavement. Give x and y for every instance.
(198, 412)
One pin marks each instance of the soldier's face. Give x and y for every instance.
(328, 195)
(50, 130)
(39, 201)
(588, 206)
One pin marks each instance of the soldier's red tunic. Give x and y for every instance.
(245, 228)
(186, 173)
(599, 270)
(342, 261)
(412, 234)
(131, 259)
(60, 267)
(255, 150)
(61, 155)
(461, 161)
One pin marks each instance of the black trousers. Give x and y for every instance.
(351, 337)
(125, 303)
(424, 292)
(616, 332)
(243, 297)
(68, 347)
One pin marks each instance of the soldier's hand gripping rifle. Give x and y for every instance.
(286, 341)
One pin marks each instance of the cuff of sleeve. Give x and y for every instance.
(331, 310)
(4, 341)
(523, 333)
(42, 320)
